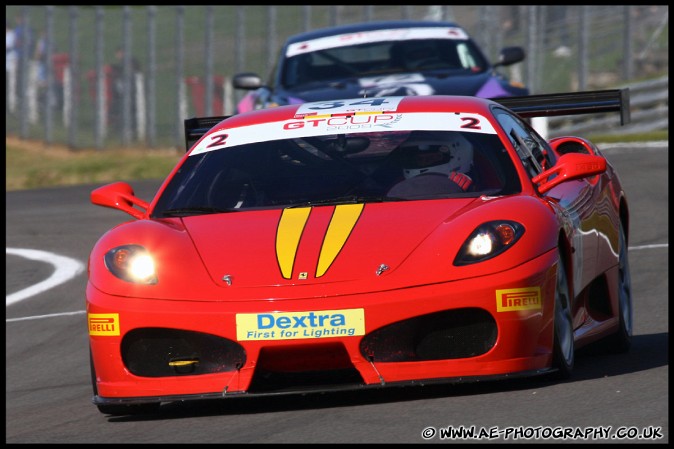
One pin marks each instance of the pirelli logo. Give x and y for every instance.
(103, 324)
(528, 298)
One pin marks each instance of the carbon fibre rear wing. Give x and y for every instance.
(573, 103)
(198, 126)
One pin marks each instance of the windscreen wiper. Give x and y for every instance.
(194, 210)
(349, 199)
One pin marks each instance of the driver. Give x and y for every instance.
(418, 52)
(453, 158)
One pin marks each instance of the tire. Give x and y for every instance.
(563, 351)
(119, 409)
(621, 341)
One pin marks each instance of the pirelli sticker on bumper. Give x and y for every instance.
(300, 325)
(512, 299)
(103, 324)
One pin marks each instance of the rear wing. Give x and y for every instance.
(198, 126)
(573, 103)
(544, 105)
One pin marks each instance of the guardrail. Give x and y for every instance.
(649, 110)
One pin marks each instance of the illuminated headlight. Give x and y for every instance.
(131, 263)
(489, 240)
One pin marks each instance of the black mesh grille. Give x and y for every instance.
(159, 352)
(451, 334)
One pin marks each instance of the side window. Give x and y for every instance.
(546, 157)
(466, 58)
(533, 151)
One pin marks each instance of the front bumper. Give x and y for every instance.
(489, 327)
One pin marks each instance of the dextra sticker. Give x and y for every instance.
(512, 299)
(103, 324)
(364, 37)
(300, 325)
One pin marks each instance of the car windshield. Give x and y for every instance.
(338, 169)
(377, 58)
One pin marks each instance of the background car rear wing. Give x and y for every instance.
(543, 105)
(573, 103)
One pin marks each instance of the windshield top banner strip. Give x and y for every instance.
(323, 125)
(366, 37)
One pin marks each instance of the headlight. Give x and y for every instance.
(489, 240)
(131, 263)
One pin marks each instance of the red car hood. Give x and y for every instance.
(316, 245)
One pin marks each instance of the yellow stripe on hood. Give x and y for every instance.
(290, 229)
(342, 223)
(288, 235)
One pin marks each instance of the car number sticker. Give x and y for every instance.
(331, 118)
(518, 299)
(300, 325)
(378, 104)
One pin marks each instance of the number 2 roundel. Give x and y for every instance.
(217, 140)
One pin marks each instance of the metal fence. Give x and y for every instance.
(127, 76)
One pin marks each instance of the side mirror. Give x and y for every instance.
(570, 166)
(247, 81)
(564, 145)
(119, 195)
(509, 56)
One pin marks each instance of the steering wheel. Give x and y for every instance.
(425, 63)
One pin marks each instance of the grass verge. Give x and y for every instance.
(33, 165)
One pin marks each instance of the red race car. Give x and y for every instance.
(366, 242)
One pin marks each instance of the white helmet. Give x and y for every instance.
(455, 154)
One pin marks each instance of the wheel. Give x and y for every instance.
(563, 352)
(119, 409)
(622, 339)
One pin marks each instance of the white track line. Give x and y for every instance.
(51, 315)
(65, 269)
(32, 290)
(658, 245)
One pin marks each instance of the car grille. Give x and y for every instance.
(159, 352)
(298, 367)
(450, 334)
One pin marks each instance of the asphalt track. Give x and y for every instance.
(48, 390)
